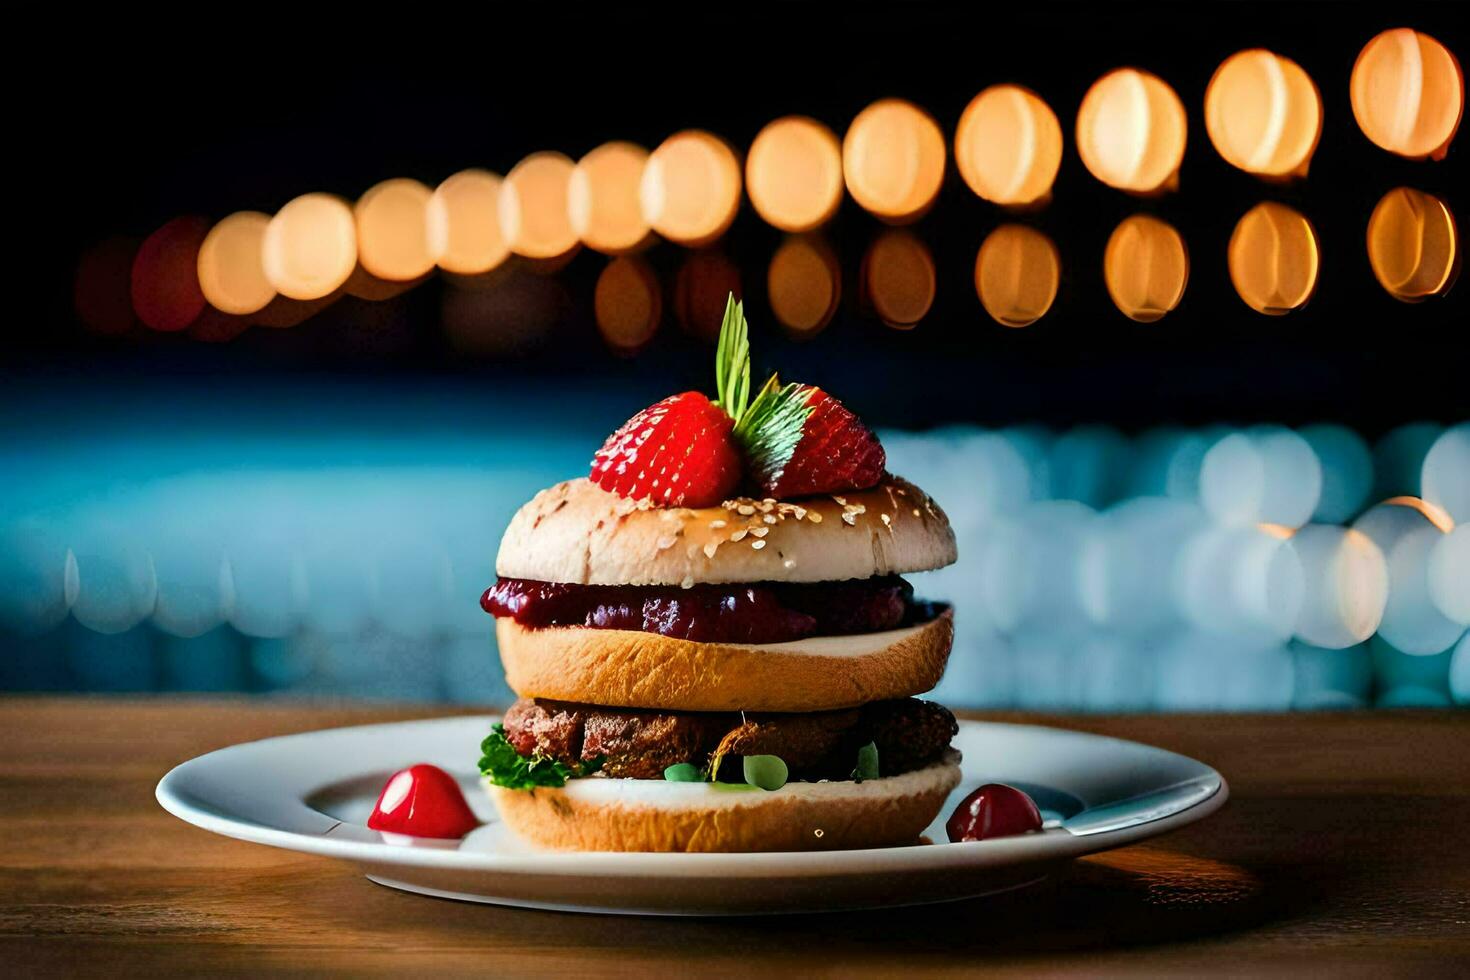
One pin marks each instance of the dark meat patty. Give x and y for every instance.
(635, 744)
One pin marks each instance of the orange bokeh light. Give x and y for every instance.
(690, 189)
(231, 267)
(462, 223)
(1131, 131)
(602, 200)
(1408, 94)
(1017, 273)
(310, 247)
(1263, 113)
(1413, 245)
(793, 173)
(628, 304)
(1008, 146)
(1274, 259)
(392, 230)
(1146, 268)
(702, 285)
(893, 160)
(898, 279)
(804, 285)
(534, 220)
(165, 278)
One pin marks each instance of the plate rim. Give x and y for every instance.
(1048, 845)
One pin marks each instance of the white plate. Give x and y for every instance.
(312, 792)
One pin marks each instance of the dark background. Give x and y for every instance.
(137, 119)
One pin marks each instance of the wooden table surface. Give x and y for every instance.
(1344, 850)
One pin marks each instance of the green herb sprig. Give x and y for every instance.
(504, 766)
(732, 361)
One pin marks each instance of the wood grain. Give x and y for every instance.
(1342, 851)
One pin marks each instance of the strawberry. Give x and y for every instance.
(686, 450)
(799, 441)
(676, 453)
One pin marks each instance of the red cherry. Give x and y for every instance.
(993, 810)
(423, 801)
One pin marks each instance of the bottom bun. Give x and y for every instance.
(601, 814)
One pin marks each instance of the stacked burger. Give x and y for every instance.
(710, 640)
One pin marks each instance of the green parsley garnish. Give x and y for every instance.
(504, 766)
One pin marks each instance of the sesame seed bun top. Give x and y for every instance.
(578, 533)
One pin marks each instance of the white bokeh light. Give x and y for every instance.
(1449, 575)
(38, 578)
(1267, 474)
(1411, 621)
(1030, 565)
(1127, 564)
(1445, 478)
(117, 587)
(1346, 585)
(1240, 579)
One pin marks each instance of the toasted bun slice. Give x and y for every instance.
(630, 669)
(599, 814)
(579, 533)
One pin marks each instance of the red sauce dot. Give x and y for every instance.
(423, 801)
(993, 810)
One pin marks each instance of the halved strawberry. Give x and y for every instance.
(676, 453)
(799, 441)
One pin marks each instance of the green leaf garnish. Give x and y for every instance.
(867, 763)
(769, 431)
(684, 772)
(732, 361)
(504, 766)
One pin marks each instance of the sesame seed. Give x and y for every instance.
(841, 500)
(816, 518)
(769, 500)
(745, 510)
(769, 519)
(917, 513)
(800, 512)
(760, 532)
(789, 563)
(666, 542)
(886, 519)
(709, 549)
(688, 582)
(720, 523)
(849, 519)
(757, 544)
(739, 534)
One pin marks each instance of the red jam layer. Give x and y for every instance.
(760, 612)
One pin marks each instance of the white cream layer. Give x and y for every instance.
(662, 794)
